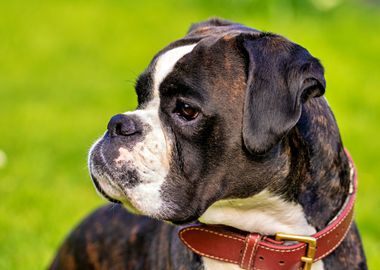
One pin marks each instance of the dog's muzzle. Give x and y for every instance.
(129, 164)
(110, 176)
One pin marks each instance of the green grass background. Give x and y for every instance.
(67, 66)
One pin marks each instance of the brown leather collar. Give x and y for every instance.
(254, 251)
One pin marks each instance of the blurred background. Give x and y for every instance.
(67, 66)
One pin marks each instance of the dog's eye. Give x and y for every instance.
(186, 111)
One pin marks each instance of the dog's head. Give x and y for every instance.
(211, 106)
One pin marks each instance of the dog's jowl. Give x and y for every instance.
(232, 134)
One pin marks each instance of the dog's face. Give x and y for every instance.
(211, 105)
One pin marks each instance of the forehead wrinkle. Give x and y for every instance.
(165, 64)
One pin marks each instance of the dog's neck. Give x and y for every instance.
(324, 168)
(309, 196)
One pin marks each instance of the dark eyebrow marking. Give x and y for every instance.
(170, 88)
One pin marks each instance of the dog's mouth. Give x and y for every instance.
(180, 221)
(118, 178)
(102, 172)
(102, 192)
(118, 184)
(123, 201)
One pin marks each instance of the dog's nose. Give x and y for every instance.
(122, 125)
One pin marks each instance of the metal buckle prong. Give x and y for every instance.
(311, 249)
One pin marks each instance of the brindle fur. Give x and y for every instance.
(112, 238)
(306, 164)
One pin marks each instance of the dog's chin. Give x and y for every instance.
(103, 193)
(175, 219)
(110, 188)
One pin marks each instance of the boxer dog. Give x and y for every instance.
(231, 129)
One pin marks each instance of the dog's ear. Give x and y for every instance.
(281, 77)
(209, 23)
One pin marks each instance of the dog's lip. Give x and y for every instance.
(101, 191)
(98, 148)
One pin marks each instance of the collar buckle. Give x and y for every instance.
(311, 246)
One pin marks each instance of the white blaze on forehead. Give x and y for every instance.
(165, 64)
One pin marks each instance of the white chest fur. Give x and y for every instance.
(263, 213)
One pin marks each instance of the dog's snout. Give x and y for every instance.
(122, 125)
